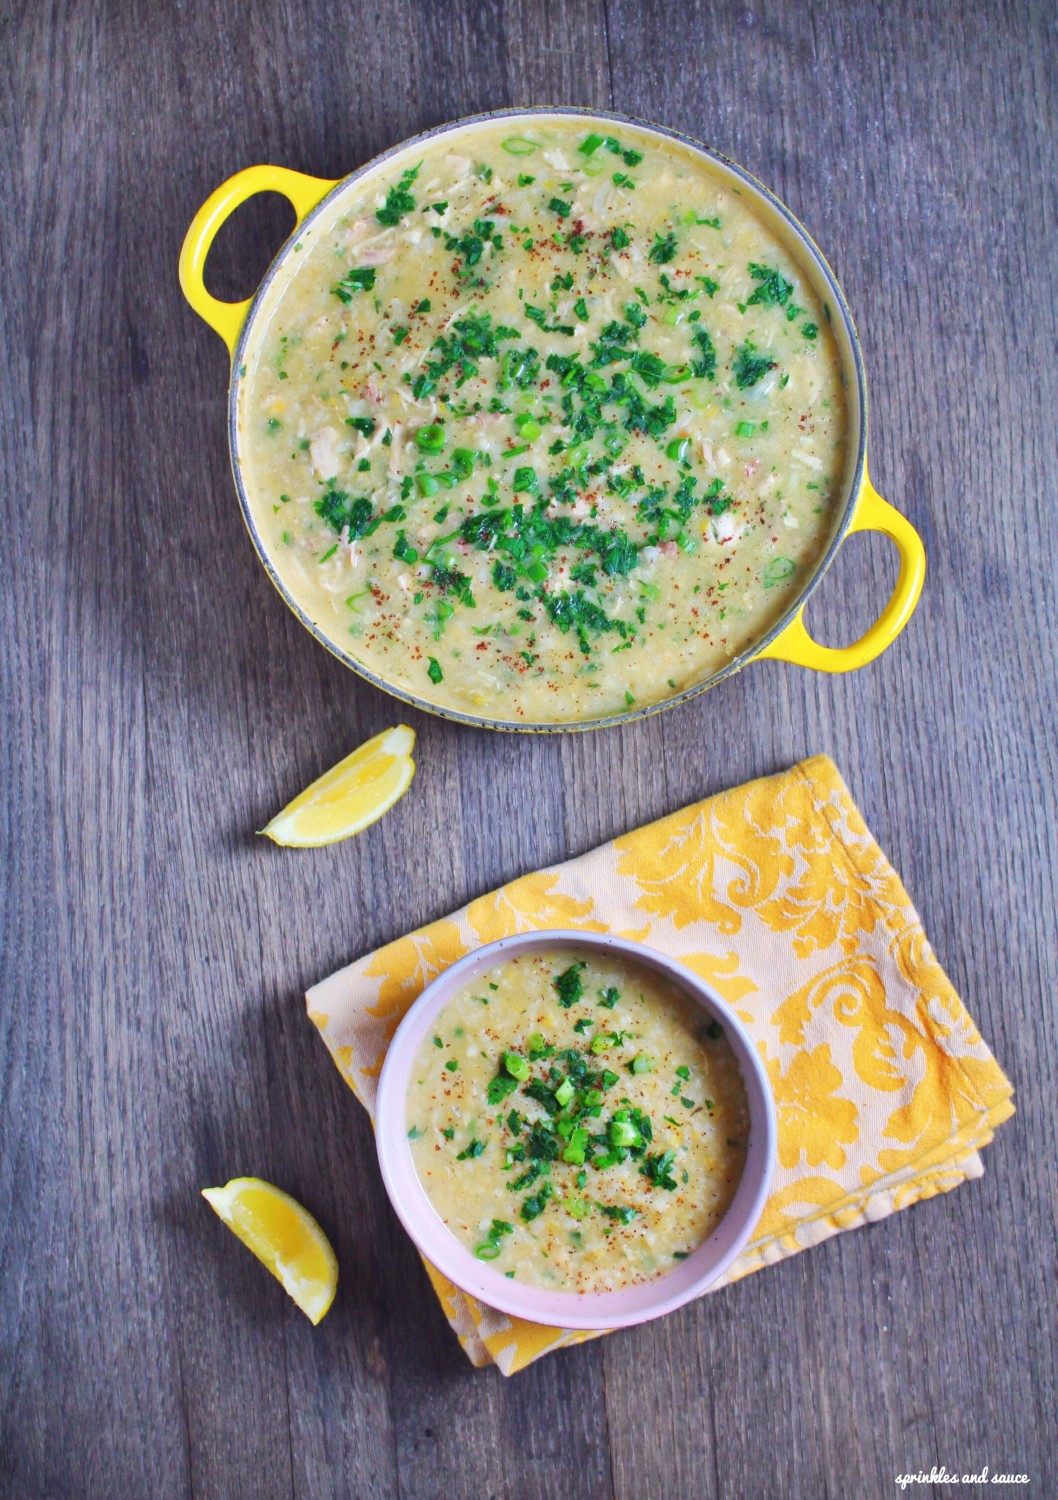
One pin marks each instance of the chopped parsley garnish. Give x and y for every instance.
(622, 1214)
(471, 246)
(533, 1207)
(657, 1169)
(749, 367)
(663, 250)
(359, 279)
(772, 290)
(433, 670)
(500, 1086)
(561, 207)
(474, 1149)
(399, 200)
(354, 515)
(703, 364)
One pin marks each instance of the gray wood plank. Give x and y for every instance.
(158, 703)
(892, 1348)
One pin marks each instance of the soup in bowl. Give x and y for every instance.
(575, 1129)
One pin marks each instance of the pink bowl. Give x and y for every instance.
(595, 1310)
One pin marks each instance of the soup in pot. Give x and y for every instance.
(544, 422)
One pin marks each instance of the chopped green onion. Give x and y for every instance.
(517, 145)
(677, 449)
(463, 462)
(778, 569)
(564, 1093)
(642, 1064)
(430, 439)
(516, 1065)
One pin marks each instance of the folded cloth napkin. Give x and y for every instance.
(777, 894)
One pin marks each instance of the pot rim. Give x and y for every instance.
(856, 474)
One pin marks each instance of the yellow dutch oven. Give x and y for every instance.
(862, 508)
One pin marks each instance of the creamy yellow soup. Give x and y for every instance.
(545, 425)
(577, 1121)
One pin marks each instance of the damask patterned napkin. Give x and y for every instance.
(777, 894)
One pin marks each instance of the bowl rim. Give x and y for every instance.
(627, 1306)
(856, 390)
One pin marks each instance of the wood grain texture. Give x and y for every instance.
(158, 702)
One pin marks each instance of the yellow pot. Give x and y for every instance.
(863, 509)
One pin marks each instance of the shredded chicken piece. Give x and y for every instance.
(323, 450)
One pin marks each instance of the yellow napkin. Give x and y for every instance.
(778, 895)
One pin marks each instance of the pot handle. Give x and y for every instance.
(226, 318)
(795, 645)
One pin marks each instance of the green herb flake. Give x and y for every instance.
(359, 279)
(569, 986)
(773, 290)
(663, 250)
(399, 200)
(749, 367)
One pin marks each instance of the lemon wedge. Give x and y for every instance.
(284, 1237)
(351, 795)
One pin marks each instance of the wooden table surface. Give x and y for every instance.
(159, 703)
